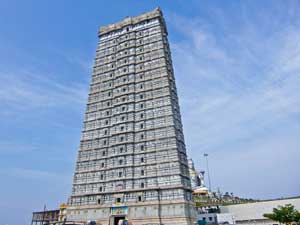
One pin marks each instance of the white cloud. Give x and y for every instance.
(238, 88)
(7, 147)
(27, 90)
(35, 174)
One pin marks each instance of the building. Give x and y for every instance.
(132, 159)
(45, 217)
(55, 216)
(216, 218)
(62, 217)
(252, 213)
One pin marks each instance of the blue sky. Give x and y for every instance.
(237, 66)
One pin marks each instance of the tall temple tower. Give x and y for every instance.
(132, 159)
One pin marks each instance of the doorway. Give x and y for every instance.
(117, 219)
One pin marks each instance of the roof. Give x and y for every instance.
(255, 211)
(130, 20)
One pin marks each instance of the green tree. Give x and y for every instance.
(284, 214)
(297, 217)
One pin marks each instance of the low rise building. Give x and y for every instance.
(53, 217)
(252, 213)
(45, 217)
(216, 218)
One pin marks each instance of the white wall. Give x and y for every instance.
(255, 211)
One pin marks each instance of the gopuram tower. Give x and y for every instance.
(132, 160)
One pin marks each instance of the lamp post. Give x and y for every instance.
(209, 184)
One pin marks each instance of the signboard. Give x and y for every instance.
(119, 210)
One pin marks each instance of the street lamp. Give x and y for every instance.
(206, 157)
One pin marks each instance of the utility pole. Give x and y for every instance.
(206, 157)
(44, 214)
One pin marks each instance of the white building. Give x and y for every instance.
(252, 213)
(217, 218)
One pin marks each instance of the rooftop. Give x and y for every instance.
(130, 20)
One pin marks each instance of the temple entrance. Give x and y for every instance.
(117, 219)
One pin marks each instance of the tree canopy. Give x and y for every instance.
(284, 214)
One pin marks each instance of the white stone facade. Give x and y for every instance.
(132, 159)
